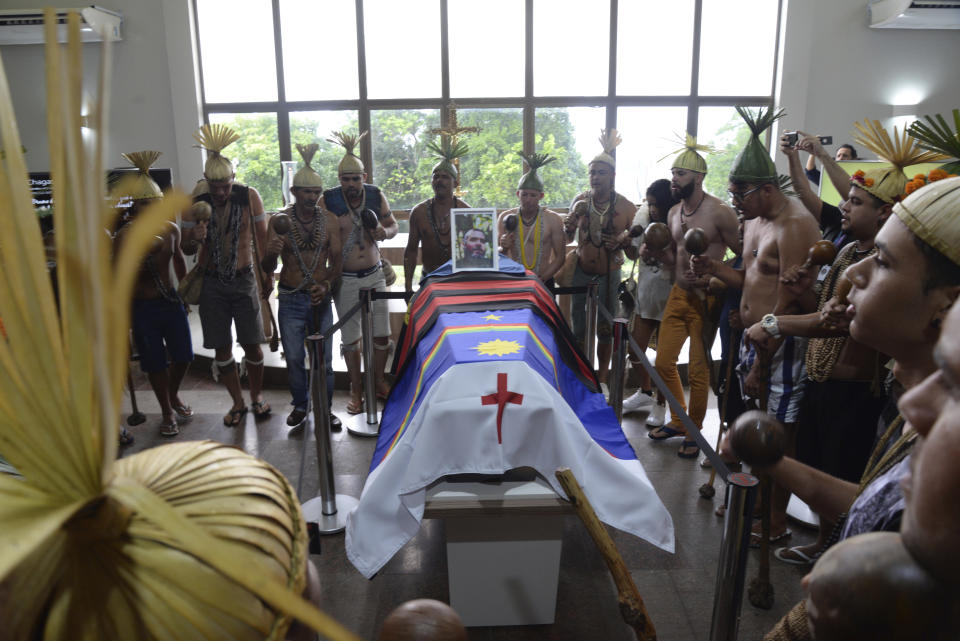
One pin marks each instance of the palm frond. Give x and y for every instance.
(901, 150)
(936, 135)
(307, 152)
(216, 137)
(761, 121)
(536, 161)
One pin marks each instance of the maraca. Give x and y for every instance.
(656, 236)
(369, 219)
(200, 212)
(821, 253)
(510, 223)
(843, 290)
(757, 438)
(281, 224)
(695, 241)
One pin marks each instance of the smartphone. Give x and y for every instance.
(791, 138)
(826, 140)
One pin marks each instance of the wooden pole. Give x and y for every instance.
(631, 603)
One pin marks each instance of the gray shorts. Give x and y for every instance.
(347, 297)
(236, 301)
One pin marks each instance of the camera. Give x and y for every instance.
(791, 138)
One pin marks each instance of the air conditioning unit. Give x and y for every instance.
(915, 14)
(25, 27)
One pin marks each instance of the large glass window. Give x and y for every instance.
(654, 48)
(532, 75)
(738, 41)
(403, 48)
(319, 39)
(254, 155)
(486, 48)
(571, 47)
(231, 40)
(399, 139)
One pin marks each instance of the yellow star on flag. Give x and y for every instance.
(490, 317)
(498, 347)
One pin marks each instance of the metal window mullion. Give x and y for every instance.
(611, 103)
(363, 108)
(529, 110)
(692, 110)
(444, 61)
(283, 113)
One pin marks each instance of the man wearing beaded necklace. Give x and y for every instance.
(534, 236)
(601, 216)
(842, 398)
(430, 224)
(311, 254)
(159, 319)
(230, 291)
(689, 305)
(364, 217)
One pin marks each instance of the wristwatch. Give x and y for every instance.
(770, 324)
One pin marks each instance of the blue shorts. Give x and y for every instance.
(160, 326)
(788, 375)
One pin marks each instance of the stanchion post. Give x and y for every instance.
(618, 366)
(368, 423)
(590, 340)
(732, 566)
(329, 510)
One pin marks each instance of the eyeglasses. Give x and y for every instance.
(740, 196)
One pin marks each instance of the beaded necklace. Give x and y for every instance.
(356, 234)
(598, 219)
(537, 226)
(167, 294)
(436, 228)
(226, 269)
(318, 238)
(684, 215)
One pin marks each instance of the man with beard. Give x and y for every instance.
(537, 239)
(601, 216)
(229, 292)
(430, 220)
(311, 265)
(473, 247)
(364, 218)
(777, 235)
(689, 305)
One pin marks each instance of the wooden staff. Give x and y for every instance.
(631, 603)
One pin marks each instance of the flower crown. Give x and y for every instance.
(920, 180)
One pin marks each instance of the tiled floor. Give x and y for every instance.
(677, 588)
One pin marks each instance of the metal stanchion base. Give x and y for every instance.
(358, 426)
(329, 523)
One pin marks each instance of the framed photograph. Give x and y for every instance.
(472, 240)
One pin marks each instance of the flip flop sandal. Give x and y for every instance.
(355, 407)
(260, 409)
(235, 416)
(687, 445)
(665, 432)
(184, 412)
(796, 556)
(783, 536)
(169, 428)
(125, 437)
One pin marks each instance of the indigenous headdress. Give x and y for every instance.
(688, 156)
(193, 540)
(937, 136)
(141, 186)
(888, 182)
(307, 177)
(609, 139)
(931, 213)
(531, 180)
(753, 164)
(215, 138)
(351, 163)
(448, 150)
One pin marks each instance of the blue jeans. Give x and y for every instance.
(296, 322)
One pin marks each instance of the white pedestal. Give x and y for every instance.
(503, 549)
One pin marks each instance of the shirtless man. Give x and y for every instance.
(430, 220)
(602, 217)
(230, 292)
(159, 319)
(778, 233)
(311, 254)
(689, 304)
(841, 405)
(538, 240)
(353, 202)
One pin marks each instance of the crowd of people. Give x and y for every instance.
(853, 353)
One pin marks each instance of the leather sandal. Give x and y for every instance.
(235, 416)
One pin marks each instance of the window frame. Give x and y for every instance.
(528, 102)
